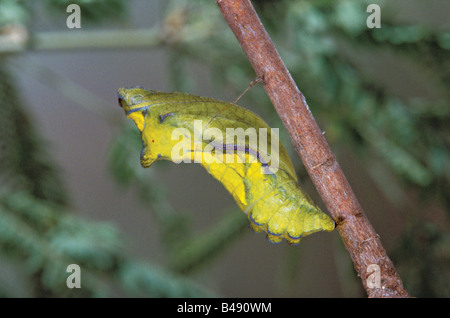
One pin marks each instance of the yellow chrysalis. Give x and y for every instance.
(222, 137)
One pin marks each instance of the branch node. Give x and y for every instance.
(329, 161)
(376, 236)
(252, 83)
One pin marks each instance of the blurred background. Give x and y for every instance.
(72, 190)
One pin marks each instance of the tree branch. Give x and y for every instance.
(16, 39)
(360, 239)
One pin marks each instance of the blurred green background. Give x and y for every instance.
(72, 190)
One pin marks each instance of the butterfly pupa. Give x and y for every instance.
(269, 194)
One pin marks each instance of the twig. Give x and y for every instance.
(360, 239)
(16, 39)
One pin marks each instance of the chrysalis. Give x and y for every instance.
(236, 147)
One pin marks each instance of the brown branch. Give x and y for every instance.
(360, 239)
